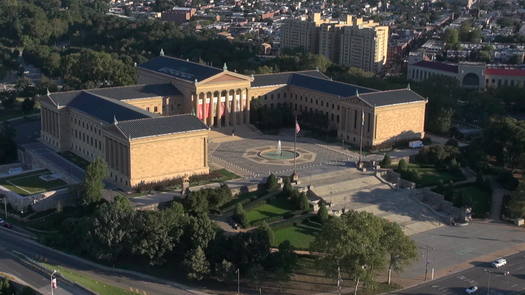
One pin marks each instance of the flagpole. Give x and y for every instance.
(294, 144)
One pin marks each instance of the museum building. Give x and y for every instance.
(158, 129)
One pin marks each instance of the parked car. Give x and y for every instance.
(499, 262)
(7, 225)
(471, 290)
(1, 221)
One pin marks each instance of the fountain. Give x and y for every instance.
(278, 153)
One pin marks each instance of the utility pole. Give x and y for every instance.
(339, 280)
(427, 262)
(238, 281)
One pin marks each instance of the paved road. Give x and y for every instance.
(34, 278)
(140, 284)
(489, 280)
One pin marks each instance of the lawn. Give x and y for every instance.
(80, 162)
(431, 176)
(299, 235)
(481, 199)
(30, 183)
(88, 282)
(276, 207)
(241, 198)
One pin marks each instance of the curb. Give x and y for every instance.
(117, 270)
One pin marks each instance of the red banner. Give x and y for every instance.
(199, 111)
(206, 109)
(223, 106)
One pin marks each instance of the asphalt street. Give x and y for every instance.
(33, 277)
(12, 241)
(490, 281)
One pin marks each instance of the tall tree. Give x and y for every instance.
(353, 243)
(399, 247)
(110, 229)
(93, 183)
(197, 264)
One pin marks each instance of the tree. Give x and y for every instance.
(322, 213)
(399, 247)
(516, 205)
(93, 183)
(304, 203)
(8, 148)
(283, 262)
(224, 271)
(402, 166)
(352, 242)
(110, 229)
(157, 233)
(28, 104)
(197, 265)
(5, 287)
(386, 162)
(451, 36)
(199, 231)
(240, 215)
(269, 232)
(271, 182)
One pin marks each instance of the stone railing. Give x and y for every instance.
(40, 201)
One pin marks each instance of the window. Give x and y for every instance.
(355, 120)
(155, 109)
(147, 109)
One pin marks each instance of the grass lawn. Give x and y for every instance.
(30, 183)
(431, 176)
(276, 207)
(481, 199)
(240, 198)
(300, 235)
(80, 162)
(88, 282)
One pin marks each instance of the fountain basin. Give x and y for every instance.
(276, 155)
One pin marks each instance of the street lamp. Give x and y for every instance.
(53, 281)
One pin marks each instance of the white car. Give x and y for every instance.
(471, 290)
(499, 262)
(1, 221)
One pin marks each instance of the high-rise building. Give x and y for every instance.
(351, 42)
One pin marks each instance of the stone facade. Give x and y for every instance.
(158, 130)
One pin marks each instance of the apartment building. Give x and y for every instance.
(351, 42)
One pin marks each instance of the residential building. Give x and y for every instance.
(352, 42)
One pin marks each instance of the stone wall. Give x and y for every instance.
(40, 201)
(438, 203)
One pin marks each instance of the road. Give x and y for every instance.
(33, 277)
(141, 284)
(489, 280)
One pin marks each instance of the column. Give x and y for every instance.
(218, 110)
(245, 107)
(227, 108)
(248, 102)
(195, 99)
(233, 108)
(211, 118)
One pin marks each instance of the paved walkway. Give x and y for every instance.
(352, 190)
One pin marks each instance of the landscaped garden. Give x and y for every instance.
(272, 210)
(32, 183)
(300, 233)
(430, 175)
(478, 195)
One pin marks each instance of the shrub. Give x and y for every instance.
(322, 213)
(271, 182)
(386, 162)
(427, 141)
(402, 166)
(240, 215)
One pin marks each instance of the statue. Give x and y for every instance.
(185, 185)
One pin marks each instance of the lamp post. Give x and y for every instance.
(53, 281)
(238, 281)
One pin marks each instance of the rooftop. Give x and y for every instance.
(160, 125)
(390, 97)
(438, 66)
(180, 68)
(282, 78)
(137, 91)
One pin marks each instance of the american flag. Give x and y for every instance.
(297, 127)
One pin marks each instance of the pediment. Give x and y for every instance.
(226, 77)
